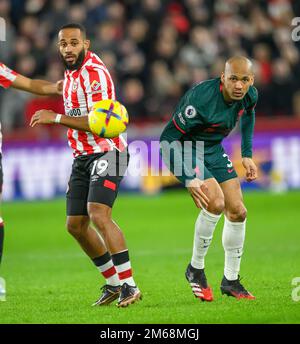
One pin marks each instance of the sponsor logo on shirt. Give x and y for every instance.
(74, 113)
(190, 111)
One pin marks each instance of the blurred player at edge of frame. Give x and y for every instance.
(92, 191)
(9, 78)
(207, 113)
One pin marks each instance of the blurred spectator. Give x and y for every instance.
(29, 27)
(96, 13)
(77, 13)
(262, 55)
(55, 16)
(282, 88)
(6, 47)
(34, 7)
(137, 32)
(198, 12)
(105, 37)
(201, 49)
(296, 104)
(155, 50)
(133, 95)
(12, 111)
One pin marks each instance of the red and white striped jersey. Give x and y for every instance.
(7, 77)
(82, 88)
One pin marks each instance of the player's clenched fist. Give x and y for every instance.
(251, 169)
(43, 117)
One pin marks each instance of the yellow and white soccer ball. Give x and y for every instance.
(108, 118)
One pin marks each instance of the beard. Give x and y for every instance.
(77, 64)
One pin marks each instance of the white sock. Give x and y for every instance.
(204, 229)
(123, 267)
(233, 242)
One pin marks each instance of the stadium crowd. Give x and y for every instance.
(155, 50)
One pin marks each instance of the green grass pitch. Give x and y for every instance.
(50, 280)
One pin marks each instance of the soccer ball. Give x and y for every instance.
(108, 118)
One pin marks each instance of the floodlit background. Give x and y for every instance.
(155, 51)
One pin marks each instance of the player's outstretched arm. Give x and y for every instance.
(50, 117)
(40, 87)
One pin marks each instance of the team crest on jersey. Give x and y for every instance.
(96, 85)
(190, 111)
(74, 86)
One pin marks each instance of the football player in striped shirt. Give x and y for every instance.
(9, 78)
(92, 192)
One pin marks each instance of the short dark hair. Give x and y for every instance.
(75, 26)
